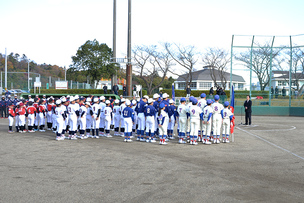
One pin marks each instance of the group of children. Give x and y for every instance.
(75, 117)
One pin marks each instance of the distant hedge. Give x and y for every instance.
(79, 91)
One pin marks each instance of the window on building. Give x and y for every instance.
(182, 85)
(240, 86)
(282, 83)
(205, 85)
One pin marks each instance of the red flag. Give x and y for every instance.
(232, 124)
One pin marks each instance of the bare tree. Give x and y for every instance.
(151, 65)
(216, 60)
(186, 57)
(261, 58)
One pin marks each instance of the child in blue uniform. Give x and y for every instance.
(149, 115)
(128, 115)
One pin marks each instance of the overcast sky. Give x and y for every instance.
(51, 31)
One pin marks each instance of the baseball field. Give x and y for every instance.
(265, 163)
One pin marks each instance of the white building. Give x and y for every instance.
(201, 80)
(280, 79)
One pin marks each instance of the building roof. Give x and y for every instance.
(285, 75)
(205, 74)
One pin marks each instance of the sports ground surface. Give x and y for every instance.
(265, 163)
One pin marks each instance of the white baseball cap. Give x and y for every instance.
(134, 102)
(155, 96)
(102, 98)
(171, 101)
(58, 101)
(123, 100)
(108, 102)
(128, 103)
(95, 99)
(165, 95)
(146, 97)
(150, 100)
(116, 101)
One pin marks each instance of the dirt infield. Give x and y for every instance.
(264, 164)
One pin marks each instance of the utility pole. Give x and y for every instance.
(114, 77)
(28, 75)
(5, 83)
(129, 65)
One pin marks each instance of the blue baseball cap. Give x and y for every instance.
(194, 101)
(209, 101)
(226, 103)
(162, 105)
(203, 95)
(216, 97)
(191, 98)
(183, 99)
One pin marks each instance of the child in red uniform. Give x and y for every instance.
(41, 110)
(11, 116)
(31, 116)
(21, 113)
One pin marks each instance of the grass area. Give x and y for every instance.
(274, 102)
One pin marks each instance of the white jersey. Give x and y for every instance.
(102, 106)
(72, 108)
(81, 110)
(107, 111)
(59, 111)
(226, 113)
(217, 108)
(122, 106)
(202, 103)
(116, 110)
(182, 111)
(207, 111)
(95, 107)
(195, 112)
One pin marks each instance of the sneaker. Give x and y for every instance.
(129, 140)
(125, 140)
(199, 139)
(204, 141)
(108, 135)
(188, 141)
(58, 138)
(218, 141)
(171, 138)
(195, 143)
(207, 142)
(142, 140)
(160, 142)
(152, 140)
(227, 140)
(214, 141)
(42, 130)
(138, 139)
(211, 139)
(89, 136)
(224, 139)
(147, 140)
(191, 142)
(73, 137)
(181, 142)
(10, 131)
(164, 143)
(96, 136)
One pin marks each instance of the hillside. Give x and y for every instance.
(17, 63)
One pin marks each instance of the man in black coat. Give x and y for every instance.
(115, 89)
(105, 89)
(247, 106)
(188, 91)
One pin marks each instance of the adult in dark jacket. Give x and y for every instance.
(247, 106)
(3, 105)
(188, 91)
(124, 90)
(105, 89)
(115, 89)
(276, 92)
(211, 91)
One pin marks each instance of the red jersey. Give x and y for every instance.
(31, 110)
(35, 105)
(11, 112)
(21, 111)
(49, 107)
(41, 108)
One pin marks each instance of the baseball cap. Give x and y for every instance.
(226, 103)
(209, 101)
(194, 101)
(216, 97)
(203, 95)
(128, 103)
(162, 105)
(183, 99)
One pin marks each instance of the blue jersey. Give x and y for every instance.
(140, 107)
(156, 105)
(150, 111)
(128, 113)
(15, 101)
(3, 103)
(166, 105)
(171, 111)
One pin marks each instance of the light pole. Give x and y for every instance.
(28, 75)
(5, 84)
(64, 73)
